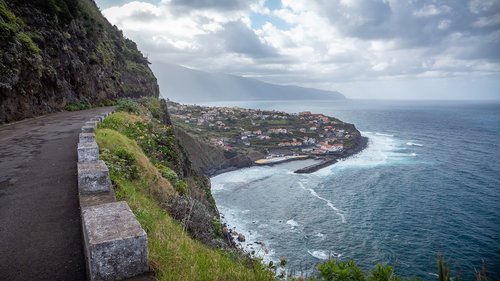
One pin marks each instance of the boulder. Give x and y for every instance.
(241, 237)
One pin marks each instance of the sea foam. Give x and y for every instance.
(323, 255)
(414, 144)
(328, 202)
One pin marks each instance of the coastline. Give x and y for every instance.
(328, 160)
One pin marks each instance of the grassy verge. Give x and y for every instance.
(173, 253)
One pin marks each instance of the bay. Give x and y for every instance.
(428, 183)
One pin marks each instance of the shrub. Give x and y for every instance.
(75, 106)
(122, 162)
(180, 185)
(340, 271)
(130, 106)
(193, 215)
(154, 106)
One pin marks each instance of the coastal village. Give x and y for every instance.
(277, 135)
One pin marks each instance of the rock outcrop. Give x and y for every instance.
(211, 160)
(60, 53)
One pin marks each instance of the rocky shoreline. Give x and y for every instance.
(330, 160)
(326, 161)
(243, 241)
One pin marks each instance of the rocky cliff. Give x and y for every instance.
(64, 53)
(211, 160)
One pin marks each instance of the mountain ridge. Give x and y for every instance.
(183, 84)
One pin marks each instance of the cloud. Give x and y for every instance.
(212, 4)
(319, 43)
(239, 38)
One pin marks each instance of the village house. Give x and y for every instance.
(277, 131)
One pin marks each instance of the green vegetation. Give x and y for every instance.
(75, 106)
(11, 29)
(173, 254)
(180, 185)
(27, 42)
(105, 52)
(141, 153)
(344, 271)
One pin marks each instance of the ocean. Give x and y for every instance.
(428, 183)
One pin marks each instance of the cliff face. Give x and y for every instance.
(211, 160)
(59, 52)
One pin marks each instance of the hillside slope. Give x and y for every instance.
(211, 160)
(192, 86)
(58, 52)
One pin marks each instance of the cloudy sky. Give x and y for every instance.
(395, 49)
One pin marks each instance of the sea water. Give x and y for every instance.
(428, 183)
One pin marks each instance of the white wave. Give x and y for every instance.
(235, 220)
(385, 135)
(323, 255)
(382, 150)
(216, 187)
(319, 254)
(292, 223)
(399, 155)
(320, 235)
(328, 202)
(244, 175)
(414, 144)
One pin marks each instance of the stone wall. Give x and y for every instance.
(115, 245)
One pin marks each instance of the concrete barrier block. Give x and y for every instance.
(101, 117)
(91, 124)
(88, 151)
(93, 177)
(95, 119)
(115, 244)
(86, 137)
(88, 129)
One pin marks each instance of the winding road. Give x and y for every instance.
(40, 230)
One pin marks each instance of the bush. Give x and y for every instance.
(154, 106)
(193, 215)
(340, 271)
(180, 185)
(130, 106)
(75, 106)
(122, 162)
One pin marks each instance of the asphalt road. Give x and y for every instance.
(40, 229)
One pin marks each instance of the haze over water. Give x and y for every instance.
(427, 183)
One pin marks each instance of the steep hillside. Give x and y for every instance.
(64, 52)
(211, 160)
(192, 86)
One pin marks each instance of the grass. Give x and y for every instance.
(10, 29)
(173, 254)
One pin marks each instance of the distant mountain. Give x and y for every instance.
(187, 85)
